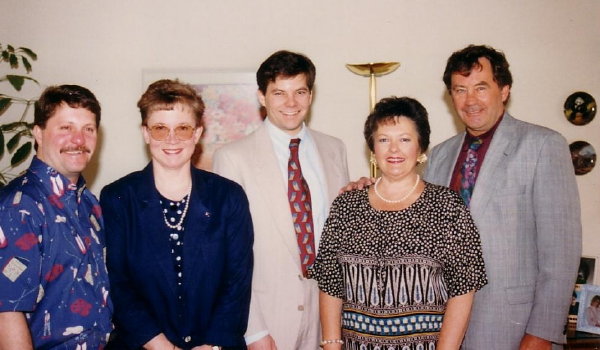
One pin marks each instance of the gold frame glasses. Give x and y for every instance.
(161, 132)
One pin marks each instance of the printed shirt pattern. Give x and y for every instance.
(52, 264)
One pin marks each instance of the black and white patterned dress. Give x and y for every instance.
(396, 270)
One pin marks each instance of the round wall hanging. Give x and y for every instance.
(584, 157)
(580, 108)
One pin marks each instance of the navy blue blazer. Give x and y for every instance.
(217, 263)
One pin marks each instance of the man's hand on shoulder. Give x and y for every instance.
(264, 343)
(531, 342)
(358, 185)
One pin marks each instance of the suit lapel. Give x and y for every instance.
(446, 158)
(486, 186)
(198, 217)
(332, 173)
(270, 183)
(151, 211)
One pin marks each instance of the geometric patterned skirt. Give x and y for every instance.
(392, 303)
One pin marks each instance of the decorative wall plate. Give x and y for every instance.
(580, 108)
(584, 157)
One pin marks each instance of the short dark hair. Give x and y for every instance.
(285, 64)
(74, 96)
(164, 94)
(392, 107)
(463, 62)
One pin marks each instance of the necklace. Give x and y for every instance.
(397, 200)
(178, 226)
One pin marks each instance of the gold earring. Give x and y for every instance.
(422, 158)
(372, 159)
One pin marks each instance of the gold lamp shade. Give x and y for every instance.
(373, 70)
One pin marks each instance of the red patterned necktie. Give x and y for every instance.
(300, 206)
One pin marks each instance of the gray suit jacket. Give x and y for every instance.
(526, 206)
(283, 302)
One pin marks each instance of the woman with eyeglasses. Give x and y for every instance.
(179, 239)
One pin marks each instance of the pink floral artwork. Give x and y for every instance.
(232, 112)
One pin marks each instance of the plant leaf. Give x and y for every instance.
(14, 61)
(5, 55)
(10, 48)
(13, 142)
(14, 126)
(26, 64)
(21, 154)
(1, 145)
(16, 81)
(5, 102)
(29, 53)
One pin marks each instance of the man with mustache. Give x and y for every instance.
(53, 279)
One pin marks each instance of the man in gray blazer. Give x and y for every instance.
(284, 311)
(524, 201)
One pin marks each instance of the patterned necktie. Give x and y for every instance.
(300, 206)
(468, 171)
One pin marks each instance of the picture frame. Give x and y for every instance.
(588, 316)
(586, 274)
(232, 109)
(587, 271)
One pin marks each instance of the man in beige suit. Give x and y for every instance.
(284, 310)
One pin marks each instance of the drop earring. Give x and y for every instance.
(372, 160)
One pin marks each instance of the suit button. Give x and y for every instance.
(300, 277)
(300, 307)
(187, 339)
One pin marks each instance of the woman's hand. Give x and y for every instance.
(160, 342)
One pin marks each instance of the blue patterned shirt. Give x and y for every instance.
(52, 259)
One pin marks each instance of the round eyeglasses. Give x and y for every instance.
(161, 132)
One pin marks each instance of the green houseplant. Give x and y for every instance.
(16, 138)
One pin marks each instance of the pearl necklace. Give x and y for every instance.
(397, 200)
(178, 226)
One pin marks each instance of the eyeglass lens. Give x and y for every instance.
(160, 132)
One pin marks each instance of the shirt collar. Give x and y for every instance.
(282, 137)
(54, 181)
(486, 136)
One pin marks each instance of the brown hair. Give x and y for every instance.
(285, 64)
(463, 62)
(74, 96)
(165, 94)
(387, 109)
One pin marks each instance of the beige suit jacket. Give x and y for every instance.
(283, 302)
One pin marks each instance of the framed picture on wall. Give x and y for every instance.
(232, 107)
(588, 317)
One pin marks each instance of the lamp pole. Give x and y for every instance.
(373, 70)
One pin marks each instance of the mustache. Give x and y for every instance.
(76, 149)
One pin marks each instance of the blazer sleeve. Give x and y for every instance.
(231, 311)
(558, 225)
(224, 165)
(131, 315)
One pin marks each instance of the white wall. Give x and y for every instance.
(553, 47)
